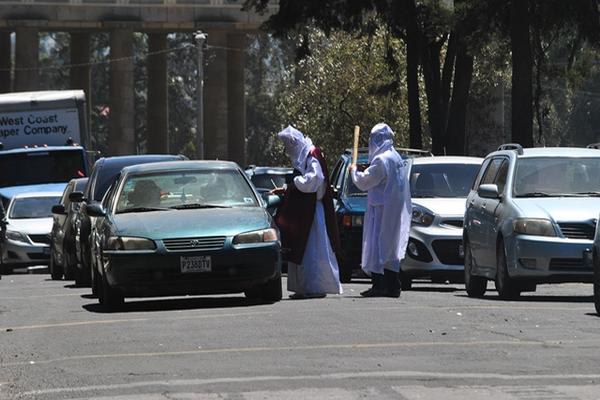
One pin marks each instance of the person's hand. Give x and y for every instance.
(351, 168)
(278, 191)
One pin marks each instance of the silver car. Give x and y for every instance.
(29, 222)
(439, 188)
(531, 216)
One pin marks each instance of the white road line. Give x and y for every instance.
(332, 377)
(128, 320)
(352, 346)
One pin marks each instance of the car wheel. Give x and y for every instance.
(70, 268)
(270, 291)
(84, 275)
(506, 287)
(597, 283)
(56, 271)
(96, 280)
(111, 298)
(475, 285)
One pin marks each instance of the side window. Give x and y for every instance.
(65, 198)
(501, 176)
(336, 173)
(483, 168)
(492, 170)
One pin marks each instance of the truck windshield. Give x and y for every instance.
(41, 167)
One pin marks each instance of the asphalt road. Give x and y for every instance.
(432, 343)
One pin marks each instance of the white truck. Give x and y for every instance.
(42, 137)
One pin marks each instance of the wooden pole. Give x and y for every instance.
(355, 148)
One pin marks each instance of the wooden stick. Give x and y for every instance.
(355, 148)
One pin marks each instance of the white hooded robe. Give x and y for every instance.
(388, 215)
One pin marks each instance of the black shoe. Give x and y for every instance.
(377, 288)
(372, 293)
(392, 283)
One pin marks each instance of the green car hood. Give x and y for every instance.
(158, 225)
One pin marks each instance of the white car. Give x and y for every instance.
(439, 188)
(29, 222)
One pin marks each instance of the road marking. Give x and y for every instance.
(332, 377)
(40, 296)
(127, 320)
(353, 346)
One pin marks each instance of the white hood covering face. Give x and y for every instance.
(381, 139)
(297, 147)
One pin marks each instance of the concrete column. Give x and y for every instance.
(236, 98)
(216, 131)
(26, 59)
(80, 76)
(5, 64)
(121, 137)
(158, 99)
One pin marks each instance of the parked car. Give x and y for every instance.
(350, 204)
(530, 217)
(592, 261)
(63, 258)
(104, 173)
(29, 221)
(186, 227)
(439, 187)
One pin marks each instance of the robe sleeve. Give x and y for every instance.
(370, 177)
(312, 179)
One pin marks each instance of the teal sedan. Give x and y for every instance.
(184, 228)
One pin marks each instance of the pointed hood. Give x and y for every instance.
(381, 139)
(297, 146)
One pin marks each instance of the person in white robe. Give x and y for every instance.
(388, 215)
(318, 273)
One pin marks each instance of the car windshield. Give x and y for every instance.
(33, 207)
(41, 167)
(442, 180)
(350, 187)
(268, 181)
(185, 189)
(557, 176)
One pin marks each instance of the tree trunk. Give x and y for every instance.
(522, 65)
(412, 78)
(456, 133)
(431, 71)
(447, 76)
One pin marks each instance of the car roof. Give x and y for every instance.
(270, 170)
(180, 166)
(41, 149)
(37, 194)
(447, 160)
(532, 152)
(123, 161)
(12, 191)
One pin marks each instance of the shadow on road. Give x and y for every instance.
(433, 289)
(539, 299)
(178, 304)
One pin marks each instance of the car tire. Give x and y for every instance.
(111, 298)
(96, 283)
(597, 283)
(56, 271)
(474, 285)
(84, 275)
(270, 291)
(506, 287)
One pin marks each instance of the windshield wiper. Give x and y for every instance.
(536, 194)
(189, 206)
(142, 209)
(591, 194)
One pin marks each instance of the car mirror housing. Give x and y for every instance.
(95, 210)
(76, 197)
(488, 191)
(58, 209)
(271, 200)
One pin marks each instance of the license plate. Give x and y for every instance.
(195, 264)
(461, 250)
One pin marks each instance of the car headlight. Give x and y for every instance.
(261, 236)
(534, 226)
(352, 220)
(422, 216)
(17, 236)
(130, 243)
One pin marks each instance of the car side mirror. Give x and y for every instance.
(58, 209)
(95, 210)
(76, 197)
(271, 200)
(488, 191)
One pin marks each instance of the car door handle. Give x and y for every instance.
(483, 206)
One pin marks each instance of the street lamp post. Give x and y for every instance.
(200, 43)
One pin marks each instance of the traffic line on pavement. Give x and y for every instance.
(332, 377)
(127, 320)
(39, 296)
(353, 346)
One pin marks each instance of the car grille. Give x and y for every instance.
(40, 239)
(447, 251)
(577, 231)
(457, 223)
(196, 243)
(568, 264)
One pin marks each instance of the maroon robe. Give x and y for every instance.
(296, 214)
